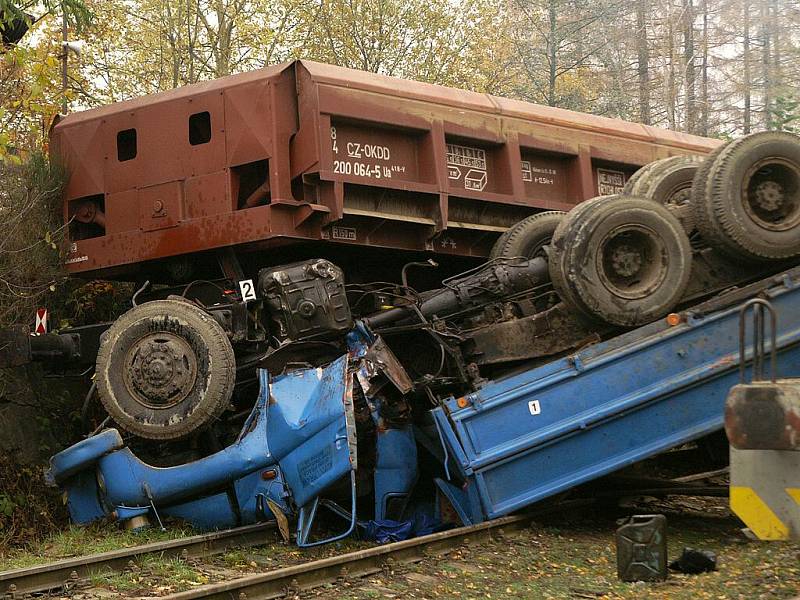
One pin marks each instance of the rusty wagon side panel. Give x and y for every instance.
(305, 151)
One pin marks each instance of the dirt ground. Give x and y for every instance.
(568, 556)
(575, 558)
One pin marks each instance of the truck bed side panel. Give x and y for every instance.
(562, 424)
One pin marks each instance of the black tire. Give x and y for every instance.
(528, 237)
(165, 369)
(620, 259)
(557, 274)
(746, 197)
(669, 182)
(698, 191)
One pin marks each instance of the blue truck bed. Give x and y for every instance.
(550, 428)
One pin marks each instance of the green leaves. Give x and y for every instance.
(784, 114)
(78, 13)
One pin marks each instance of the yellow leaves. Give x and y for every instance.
(199, 579)
(5, 154)
(29, 88)
(448, 42)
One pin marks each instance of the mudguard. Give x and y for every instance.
(83, 455)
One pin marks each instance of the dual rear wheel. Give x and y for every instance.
(746, 197)
(626, 259)
(622, 259)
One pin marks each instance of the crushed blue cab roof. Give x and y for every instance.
(301, 439)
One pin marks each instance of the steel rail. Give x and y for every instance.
(18, 582)
(287, 581)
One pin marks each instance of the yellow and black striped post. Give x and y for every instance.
(765, 492)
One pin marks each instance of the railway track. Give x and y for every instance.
(65, 574)
(288, 581)
(17, 583)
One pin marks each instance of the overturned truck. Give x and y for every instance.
(334, 269)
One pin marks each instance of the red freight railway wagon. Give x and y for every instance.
(304, 152)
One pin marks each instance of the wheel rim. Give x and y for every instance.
(680, 195)
(632, 261)
(771, 194)
(160, 370)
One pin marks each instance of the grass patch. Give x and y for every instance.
(152, 574)
(79, 541)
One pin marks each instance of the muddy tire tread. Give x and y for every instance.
(574, 231)
(645, 183)
(223, 363)
(562, 238)
(723, 217)
(720, 225)
(508, 245)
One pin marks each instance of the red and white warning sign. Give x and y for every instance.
(41, 321)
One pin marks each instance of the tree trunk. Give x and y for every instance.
(746, 76)
(552, 53)
(688, 59)
(766, 70)
(776, 20)
(704, 75)
(171, 35)
(222, 47)
(670, 92)
(190, 41)
(643, 67)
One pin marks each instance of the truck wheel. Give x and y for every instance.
(620, 259)
(557, 275)
(165, 369)
(526, 238)
(747, 197)
(669, 182)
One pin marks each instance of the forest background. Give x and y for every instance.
(711, 67)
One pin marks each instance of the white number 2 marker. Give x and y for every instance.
(248, 289)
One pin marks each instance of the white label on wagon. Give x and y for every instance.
(466, 156)
(534, 174)
(534, 407)
(344, 233)
(610, 182)
(362, 159)
(469, 162)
